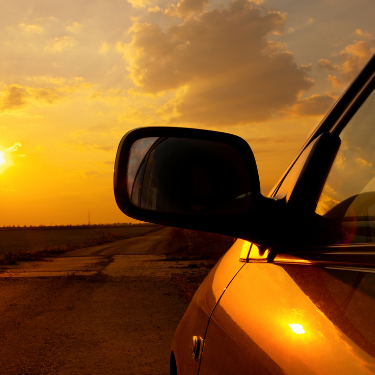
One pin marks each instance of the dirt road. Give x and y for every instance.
(110, 309)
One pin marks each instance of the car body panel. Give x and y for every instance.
(295, 308)
(298, 299)
(196, 318)
(293, 319)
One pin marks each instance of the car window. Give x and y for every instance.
(348, 197)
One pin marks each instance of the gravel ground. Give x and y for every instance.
(109, 309)
(88, 324)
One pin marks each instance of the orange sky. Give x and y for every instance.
(76, 75)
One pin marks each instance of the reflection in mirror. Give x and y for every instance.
(137, 153)
(182, 175)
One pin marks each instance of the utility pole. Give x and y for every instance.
(89, 217)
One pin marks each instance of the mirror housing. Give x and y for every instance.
(194, 179)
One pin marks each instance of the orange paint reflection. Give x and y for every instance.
(277, 319)
(245, 250)
(297, 329)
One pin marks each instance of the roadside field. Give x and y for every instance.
(30, 240)
(84, 310)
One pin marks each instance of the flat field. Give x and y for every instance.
(35, 239)
(85, 311)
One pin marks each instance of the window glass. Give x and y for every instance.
(348, 197)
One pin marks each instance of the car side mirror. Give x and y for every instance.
(190, 178)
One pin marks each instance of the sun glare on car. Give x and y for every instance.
(297, 329)
(2, 158)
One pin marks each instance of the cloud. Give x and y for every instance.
(356, 56)
(32, 29)
(139, 3)
(326, 64)
(14, 97)
(276, 139)
(221, 62)
(274, 47)
(353, 58)
(310, 21)
(363, 33)
(274, 144)
(315, 105)
(104, 148)
(47, 80)
(15, 147)
(186, 8)
(84, 146)
(335, 81)
(155, 10)
(104, 48)
(363, 162)
(9, 157)
(121, 47)
(74, 27)
(60, 44)
(44, 95)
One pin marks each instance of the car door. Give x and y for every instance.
(305, 306)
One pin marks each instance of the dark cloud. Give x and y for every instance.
(276, 139)
(100, 128)
(186, 8)
(90, 146)
(230, 71)
(45, 95)
(104, 148)
(15, 97)
(314, 105)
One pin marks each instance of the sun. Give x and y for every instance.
(2, 159)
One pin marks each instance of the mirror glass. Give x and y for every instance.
(185, 176)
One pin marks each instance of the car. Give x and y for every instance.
(295, 294)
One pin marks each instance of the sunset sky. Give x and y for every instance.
(75, 76)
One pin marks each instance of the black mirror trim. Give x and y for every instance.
(231, 224)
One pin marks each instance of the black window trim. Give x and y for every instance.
(358, 255)
(355, 256)
(341, 112)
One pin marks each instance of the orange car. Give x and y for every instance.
(296, 293)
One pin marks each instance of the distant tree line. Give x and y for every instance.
(77, 226)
